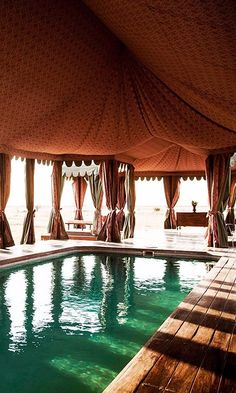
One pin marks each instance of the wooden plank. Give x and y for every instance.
(181, 347)
(188, 331)
(136, 370)
(213, 364)
(228, 380)
(185, 372)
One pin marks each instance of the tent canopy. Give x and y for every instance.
(147, 82)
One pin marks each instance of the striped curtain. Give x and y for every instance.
(110, 230)
(95, 184)
(230, 217)
(129, 225)
(218, 183)
(79, 189)
(6, 239)
(56, 226)
(172, 193)
(28, 235)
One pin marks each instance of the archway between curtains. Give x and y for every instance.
(28, 235)
(79, 189)
(218, 181)
(96, 190)
(172, 193)
(6, 239)
(129, 225)
(110, 230)
(56, 226)
(230, 217)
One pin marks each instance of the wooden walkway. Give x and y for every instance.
(195, 349)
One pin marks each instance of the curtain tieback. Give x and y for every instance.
(57, 213)
(212, 213)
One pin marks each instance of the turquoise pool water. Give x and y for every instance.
(71, 324)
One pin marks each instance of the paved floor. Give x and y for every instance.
(186, 240)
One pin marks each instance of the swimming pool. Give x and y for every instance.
(71, 324)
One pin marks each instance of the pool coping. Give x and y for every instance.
(101, 248)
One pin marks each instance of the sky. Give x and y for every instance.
(148, 193)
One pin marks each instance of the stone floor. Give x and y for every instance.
(187, 240)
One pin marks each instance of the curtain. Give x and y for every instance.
(218, 182)
(128, 231)
(56, 225)
(6, 239)
(28, 236)
(172, 192)
(121, 200)
(95, 184)
(230, 217)
(79, 188)
(110, 229)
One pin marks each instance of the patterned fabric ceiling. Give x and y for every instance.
(149, 82)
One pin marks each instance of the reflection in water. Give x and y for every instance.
(16, 305)
(190, 273)
(77, 321)
(42, 295)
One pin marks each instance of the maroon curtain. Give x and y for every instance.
(97, 197)
(218, 180)
(129, 224)
(28, 236)
(79, 188)
(172, 192)
(6, 239)
(121, 200)
(57, 228)
(110, 229)
(230, 217)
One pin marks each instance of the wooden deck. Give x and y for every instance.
(195, 349)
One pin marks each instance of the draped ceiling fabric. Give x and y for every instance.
(28, 235)
(6, 239)
(172, 193)
(79, 188)
(150, 83)
(218, 183)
